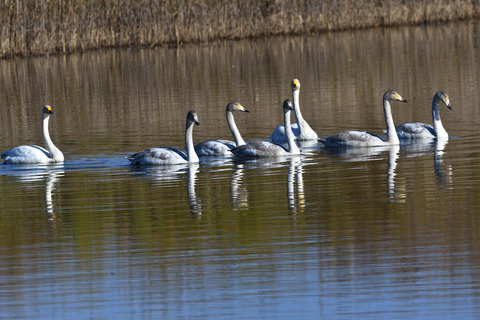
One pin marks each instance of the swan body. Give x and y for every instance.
(169, 156)
(301, 130)
(258, 148)
(35, 154)
(418, 130)
(366, 139)
(222, 147)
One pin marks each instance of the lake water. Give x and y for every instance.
(386, 233)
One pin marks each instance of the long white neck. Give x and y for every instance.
(437, 122)
(305, 131)
(191, 154)
(55, 153)
(392, 137)
(233, 129)
(292, 146)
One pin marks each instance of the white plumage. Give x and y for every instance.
(35, 154)
(301, 130)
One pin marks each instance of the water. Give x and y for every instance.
(372, 234)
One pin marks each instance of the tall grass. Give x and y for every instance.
(38, 27)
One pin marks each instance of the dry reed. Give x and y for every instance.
(39, 27)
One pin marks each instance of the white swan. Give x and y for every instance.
(418, 130)
(222, 147)
(301, 129)
(36, 154)
(366, 139)
(256, 149)
(168, 156)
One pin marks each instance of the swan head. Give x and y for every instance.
(295, 84)
(393, 95)
(235, 106)
(287, 106)
(46, 111)
(192, 118)
(443, 96)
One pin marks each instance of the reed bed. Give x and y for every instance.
(40, 27)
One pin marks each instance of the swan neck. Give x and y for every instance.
(190, 149)
(437, 122)
(55, 153)
(296, 106)
(233, 129)
(392, 137)
(305, 132)
(292, 146)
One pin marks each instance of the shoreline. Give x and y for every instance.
(39, 28)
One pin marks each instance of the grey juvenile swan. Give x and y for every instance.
(222, 147)
(418, 130)
(167, 156)
(257, 149)
(366, 139)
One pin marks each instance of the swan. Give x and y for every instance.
(301, 129)
(366, 139)
(256, 149)
(36, 154)
(418, 130)
(168, 156)
(222, 147)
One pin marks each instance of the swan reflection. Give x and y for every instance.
(194, 202)
(239, 196)
(296, 200)
(424, 147)
(238, 192)
(395, 192)
(34, 173)
(175, 172)
(443, 173)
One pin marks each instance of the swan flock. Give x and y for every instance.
(282, 142)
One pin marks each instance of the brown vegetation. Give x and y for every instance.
(37, 27)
